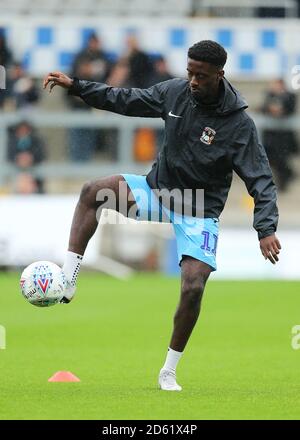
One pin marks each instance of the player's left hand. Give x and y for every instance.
(270, 248)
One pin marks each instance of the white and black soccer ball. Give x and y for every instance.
(43, 283)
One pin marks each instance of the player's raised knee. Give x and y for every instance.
(88, 192)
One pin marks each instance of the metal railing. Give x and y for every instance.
(126, 127)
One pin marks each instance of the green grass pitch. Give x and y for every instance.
(239, 363)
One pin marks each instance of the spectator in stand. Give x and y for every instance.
(159, 74)
(93, 64)
(139, 63)
(22, 89)
(119, 76)
(5, 60)
(160, 71)
(280, 144)
(135, 69)
(26, 184)
(94, 55)
(25, 150)
(5, 53)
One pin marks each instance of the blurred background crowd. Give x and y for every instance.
(51, 144)
(23, 94)
(26, 146)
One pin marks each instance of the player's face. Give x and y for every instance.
(204, 79)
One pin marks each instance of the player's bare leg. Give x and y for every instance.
(85, 221)
(86, 216)
(194, 275)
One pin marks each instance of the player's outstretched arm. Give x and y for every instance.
(270, 248)
(147, 103)
(57, 79)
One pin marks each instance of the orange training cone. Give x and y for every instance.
(63, 376)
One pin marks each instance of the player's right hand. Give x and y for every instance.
(57, 79)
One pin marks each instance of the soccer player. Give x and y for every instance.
(208, 134)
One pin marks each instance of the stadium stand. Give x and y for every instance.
(101, 7)
(257, 51)
(168, 8)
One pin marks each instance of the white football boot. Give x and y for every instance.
(167, 381)
(69, 293)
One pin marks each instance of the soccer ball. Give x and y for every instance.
(43, 283)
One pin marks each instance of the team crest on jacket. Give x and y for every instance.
(208, 136)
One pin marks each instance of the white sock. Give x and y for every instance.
(172, 360)
(71, 266)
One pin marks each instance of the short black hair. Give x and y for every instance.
(208, 51)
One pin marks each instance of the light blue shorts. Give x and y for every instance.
(195, 237)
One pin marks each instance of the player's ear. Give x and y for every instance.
(221, 74)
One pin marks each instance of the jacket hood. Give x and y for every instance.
(230, 100)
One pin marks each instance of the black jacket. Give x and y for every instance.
(202, 144)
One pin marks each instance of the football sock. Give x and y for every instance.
(71, 266)
(172, 360)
